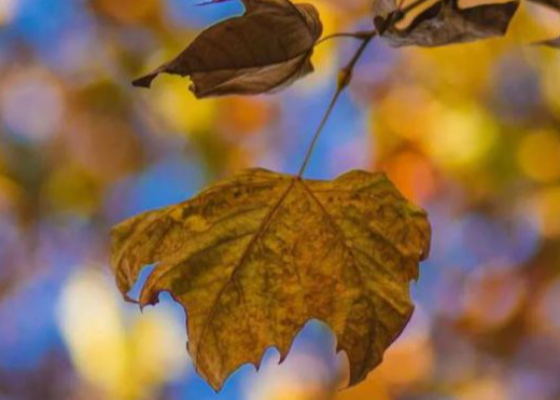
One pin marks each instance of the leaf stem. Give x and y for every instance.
(361, 35)
(345, 74)
(344, 78)
(311, 147)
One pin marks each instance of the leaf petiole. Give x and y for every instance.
(361, 35)
(345, 74)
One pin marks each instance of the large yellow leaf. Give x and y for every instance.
(255, 257)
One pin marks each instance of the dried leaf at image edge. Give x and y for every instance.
(446, 23)
(266, 49)
(253, 258)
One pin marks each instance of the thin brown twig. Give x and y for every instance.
(353, 35)
(311, 147)
(346, 73)
(344, 78)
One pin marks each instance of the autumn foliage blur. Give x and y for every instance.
(469, 132)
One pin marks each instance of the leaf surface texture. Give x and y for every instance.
(253, 258)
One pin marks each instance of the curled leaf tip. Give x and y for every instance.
(129, 299)
(145, 81)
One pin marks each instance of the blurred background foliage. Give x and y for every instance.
(470, 132)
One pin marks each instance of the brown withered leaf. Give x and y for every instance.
(446, 23)
(267, 48)
(255, 257)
